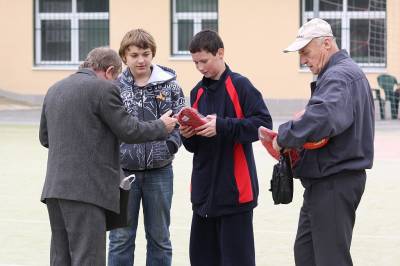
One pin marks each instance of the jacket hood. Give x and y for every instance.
(159, 75)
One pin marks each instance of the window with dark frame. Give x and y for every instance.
(359, 27)
(189, 17)
(66, 30)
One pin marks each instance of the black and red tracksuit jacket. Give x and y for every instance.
(224, 177)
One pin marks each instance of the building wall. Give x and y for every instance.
(393, 40)
(18, 73)
(253, 44)
(155, 18)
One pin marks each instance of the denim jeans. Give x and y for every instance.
(154, 188)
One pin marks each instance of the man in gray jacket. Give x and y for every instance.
(82, 121)
(341, 110)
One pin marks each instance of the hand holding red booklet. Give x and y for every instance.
(189, 116)
(266, 137)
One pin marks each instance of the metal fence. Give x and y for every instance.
(189, 17)
(361, 27)
(66, 30)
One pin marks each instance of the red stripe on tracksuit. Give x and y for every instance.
(241, 169)
(196, 102)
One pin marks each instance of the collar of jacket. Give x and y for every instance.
(87, 71)
(159, 75)
(335, 58)
(221, 79)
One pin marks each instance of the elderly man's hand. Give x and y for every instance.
(275, 144)
(168, 121)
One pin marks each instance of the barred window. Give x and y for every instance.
(188, 18)
(66, 30)
(359, 27)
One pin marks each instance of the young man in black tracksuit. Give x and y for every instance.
(224, 185)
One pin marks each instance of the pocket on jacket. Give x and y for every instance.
(132, 156)
(226, 192)
(158, 154)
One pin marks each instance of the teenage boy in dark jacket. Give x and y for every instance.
(147, 90)
(224, 185)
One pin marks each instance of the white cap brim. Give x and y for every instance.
(298, 44)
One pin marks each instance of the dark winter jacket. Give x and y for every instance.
(224, 178)
(340, 108)
(162, 93)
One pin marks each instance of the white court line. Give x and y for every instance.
(387, 237)
(185, 228)
(24, 221)
(13, 265)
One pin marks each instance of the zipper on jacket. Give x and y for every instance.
(145, 144)
(205, 208)
(158, 112)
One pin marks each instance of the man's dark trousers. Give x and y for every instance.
(226, 240)
(78, 233)
(327, 219)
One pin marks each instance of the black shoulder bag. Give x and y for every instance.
(117, 220)
(282, 181)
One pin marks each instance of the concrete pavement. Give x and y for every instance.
(25, 231)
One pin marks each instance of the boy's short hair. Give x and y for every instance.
(206, 40)
(139, 38)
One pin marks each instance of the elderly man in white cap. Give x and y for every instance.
(341, 110)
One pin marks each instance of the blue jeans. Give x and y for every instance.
(155, 189)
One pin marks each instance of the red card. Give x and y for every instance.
(189, 116)
(266, 136)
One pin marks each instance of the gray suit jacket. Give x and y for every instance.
(82, 121)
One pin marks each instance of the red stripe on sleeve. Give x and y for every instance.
(241, 168)
(198, 96)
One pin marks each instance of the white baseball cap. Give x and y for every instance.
(312, 29)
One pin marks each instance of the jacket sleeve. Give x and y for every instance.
(126, 127)
(178, 101)
(255, 114)
(328, 113)
(43, 134)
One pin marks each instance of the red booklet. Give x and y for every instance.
(266, 136)
(189, 116)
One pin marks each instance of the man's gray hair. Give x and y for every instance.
(101, 58)
(333, 39)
